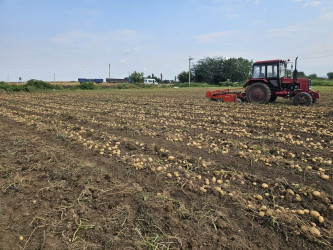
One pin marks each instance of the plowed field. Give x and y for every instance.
(164, 169)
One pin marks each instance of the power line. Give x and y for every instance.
(318, 52)
(313, 55)
(316, 57)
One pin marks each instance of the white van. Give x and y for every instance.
(150, 81)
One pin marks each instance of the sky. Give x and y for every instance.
(63, 40)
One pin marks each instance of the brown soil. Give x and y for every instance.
(163, 169)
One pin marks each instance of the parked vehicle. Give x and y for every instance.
(150, 81)
(90, 80)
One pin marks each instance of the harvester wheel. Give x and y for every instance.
(258, 92)
(219, 99)
(303, 98)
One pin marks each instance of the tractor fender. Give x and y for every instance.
(251, 81)
(314, 94)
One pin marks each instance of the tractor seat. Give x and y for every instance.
(262, 75)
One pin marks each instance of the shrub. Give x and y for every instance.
(123, 86)
(229, 83)
(6, 87)
(87, 85)
(30, 86)
(322, 82)
(38, 84)
(193, 84)
(133, 86)
(143, 86)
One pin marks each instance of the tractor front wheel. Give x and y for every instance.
(303, 98)
(259, 93)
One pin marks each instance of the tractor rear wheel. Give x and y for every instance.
(273, 98)
(219, 99)
(258, 92)
(302, 98)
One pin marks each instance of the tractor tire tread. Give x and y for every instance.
(307, 99)
(260, 85)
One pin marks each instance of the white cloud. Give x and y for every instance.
(79, 36)
(69, 37)
(211, 37)
(239, 1)
(124, 32)
(308, 3)
(312, 3)
(328, 16)
(122, 61)
(284, 31)
(83, 13)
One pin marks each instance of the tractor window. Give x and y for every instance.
(283, 67)
(258, 71)
(271, 70)
(275, 71)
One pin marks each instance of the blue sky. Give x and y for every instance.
(72, 38)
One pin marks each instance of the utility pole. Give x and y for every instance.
(109, 70)
(189, 70)
(54, 77)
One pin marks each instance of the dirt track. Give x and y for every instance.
(163, 169)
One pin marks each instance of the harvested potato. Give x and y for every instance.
(315, 231)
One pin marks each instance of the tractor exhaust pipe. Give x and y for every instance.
(295, 71)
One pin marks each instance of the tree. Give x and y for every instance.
(137, 77)
(183, 76)
(313, 76)
(330, 75)
(208, 70)
(236, 69)
(301, 74)
(219, 69)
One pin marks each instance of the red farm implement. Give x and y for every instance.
(226, 95)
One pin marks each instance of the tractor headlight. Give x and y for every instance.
(310, 86)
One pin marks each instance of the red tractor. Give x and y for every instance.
(271, 79)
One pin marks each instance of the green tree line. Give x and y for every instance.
(218, 69)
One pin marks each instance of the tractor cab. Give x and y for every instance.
(273, 73)
(273, 69)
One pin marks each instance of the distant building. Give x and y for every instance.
(116, 80)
